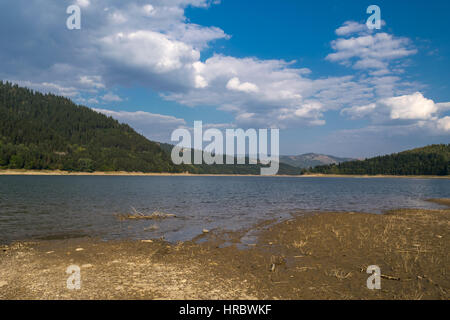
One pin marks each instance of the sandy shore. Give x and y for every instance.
(143, 174)
(313, 256)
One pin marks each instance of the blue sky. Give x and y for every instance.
(312, 69)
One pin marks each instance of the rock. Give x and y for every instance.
(3, 283)
(205, 231)
(79, 249)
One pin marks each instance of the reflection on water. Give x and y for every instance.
(49, 207)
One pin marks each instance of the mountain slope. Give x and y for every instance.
(40, 131)
(311, 160)
(429, 160)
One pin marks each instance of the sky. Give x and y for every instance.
(313, 69)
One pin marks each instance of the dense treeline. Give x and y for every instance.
(430, 160)
(44, 131)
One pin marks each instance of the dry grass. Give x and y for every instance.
(445, 202)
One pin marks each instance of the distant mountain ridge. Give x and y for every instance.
(254, 169)
(311, 160)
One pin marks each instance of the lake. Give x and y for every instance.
(57, 207)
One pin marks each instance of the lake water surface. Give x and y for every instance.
(53, 207)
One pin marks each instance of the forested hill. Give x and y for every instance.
(429, 160)
(311, 160)
(44, 131)
(40, 131)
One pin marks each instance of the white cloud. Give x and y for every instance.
(197, 36)
(444, 124)
(118, 18)
(83, 3)
(153, 51)
(149, 10)
(111, 97)
(357, 112)
(411, 112)
(414, 106)
(236, 85)
(92, 101)
(92, 81)
(350, 27)
(200, 82)
(163, 53)
(443, 106)
(160, 49)
(407, 107)
(279, 87)
(371, 51)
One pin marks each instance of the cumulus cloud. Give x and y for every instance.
(151, 43)
(376, 51)
(111, 97)
(92, 81)
(413, 110)
(414, 106)
(83, 3)
(150, 50)
(262, 92)
(444, 124)
(149, 10)
(407, 107)
(235, 84)
(350, 27)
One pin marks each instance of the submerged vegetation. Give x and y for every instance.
(137, 215)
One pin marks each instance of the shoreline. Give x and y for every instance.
(313, 256)
(20, 172)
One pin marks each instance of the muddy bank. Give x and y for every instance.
(312, 256)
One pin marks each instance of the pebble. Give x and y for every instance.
(79, 249)
(205, 230)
